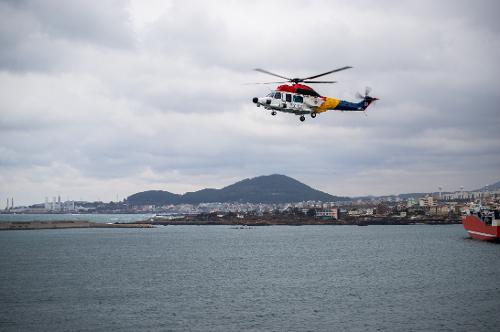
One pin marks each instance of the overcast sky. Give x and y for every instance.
(102, 99)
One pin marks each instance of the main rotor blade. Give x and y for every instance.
(265, 82)
(269, 73)
(319, 81)
(328, 72)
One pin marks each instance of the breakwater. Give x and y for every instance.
(30, 225)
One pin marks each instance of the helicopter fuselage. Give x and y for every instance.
(300, 99)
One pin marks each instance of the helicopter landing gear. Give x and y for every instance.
(302, 118)
(313, 115)
(273, 113)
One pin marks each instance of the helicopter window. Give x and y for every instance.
(298, 99)
(288, 97)
(277, 95)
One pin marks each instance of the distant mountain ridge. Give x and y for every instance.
(274, 188)
(494, 186)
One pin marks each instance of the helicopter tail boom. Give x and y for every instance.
(343, 105)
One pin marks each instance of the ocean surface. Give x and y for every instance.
(97, 218)
(276, 278)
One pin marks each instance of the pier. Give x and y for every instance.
(27, 225)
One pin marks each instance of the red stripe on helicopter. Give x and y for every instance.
(298, 88)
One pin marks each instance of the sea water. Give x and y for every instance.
(277, 278)
(92, 217)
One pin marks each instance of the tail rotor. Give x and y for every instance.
(366, 98)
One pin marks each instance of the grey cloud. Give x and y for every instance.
(47, 35)
(89, 104)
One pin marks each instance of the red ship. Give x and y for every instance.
(483, 225)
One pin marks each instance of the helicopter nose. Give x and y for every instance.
(255, 100)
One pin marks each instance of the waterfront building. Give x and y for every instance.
(427, 201)
(331, 213)
(442, 210)
(411, 201)
(355, 213)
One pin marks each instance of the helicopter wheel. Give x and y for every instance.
(302, 118)
(273, 113)
(313, 115)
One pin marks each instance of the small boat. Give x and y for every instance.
(242, 227)
(483, 224)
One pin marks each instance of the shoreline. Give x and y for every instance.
(151, 223)
(264, 223)
(294, 221)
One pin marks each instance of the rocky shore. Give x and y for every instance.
(210, 219)
(270, 220)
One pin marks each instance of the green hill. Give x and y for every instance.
(263, 189)
(153, 197)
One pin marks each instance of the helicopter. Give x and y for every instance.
(300, 99)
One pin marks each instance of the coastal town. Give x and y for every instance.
(434, 207)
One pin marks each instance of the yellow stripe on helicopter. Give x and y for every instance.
(328, 104)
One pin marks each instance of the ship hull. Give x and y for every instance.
(479, 230)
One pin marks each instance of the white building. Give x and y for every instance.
(327, 213)
(427, 201)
